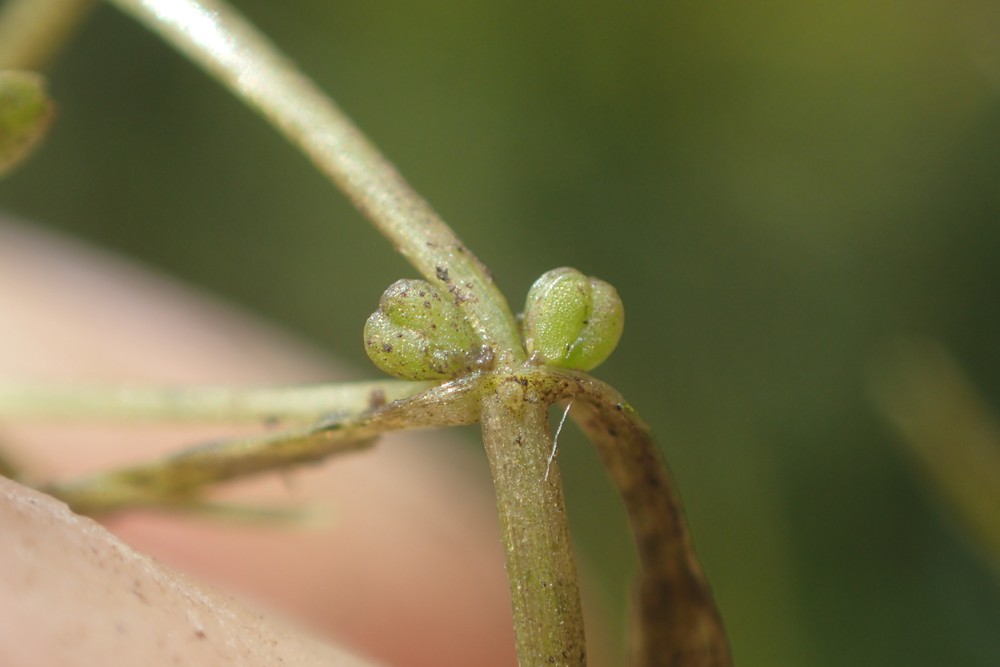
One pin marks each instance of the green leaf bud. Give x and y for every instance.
(571, 320)
(419, 333)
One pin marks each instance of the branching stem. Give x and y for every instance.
(183, 477)
(677, 622)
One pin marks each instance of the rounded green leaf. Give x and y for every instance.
(418, 333)
(571, 320)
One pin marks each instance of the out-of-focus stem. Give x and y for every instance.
(33, 31)
(948, 431)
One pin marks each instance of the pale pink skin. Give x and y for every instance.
(408, 570)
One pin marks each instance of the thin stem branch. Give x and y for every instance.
(676, 622)
(201, 404)
(181, 478)
(33, 31)
(548, 621)
(228, 47)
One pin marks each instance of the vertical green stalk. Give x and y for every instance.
(548, 621)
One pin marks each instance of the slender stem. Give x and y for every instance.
(33, 31)
(201, 404)
(182, 477)
(228, 47)
(676, 622)
(548, 621)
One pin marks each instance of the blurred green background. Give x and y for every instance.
(775, 188)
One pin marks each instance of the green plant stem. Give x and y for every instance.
(181, 478)
(228, 47)
(202, 404)
(33, 31)
(675, 620)
(678, 625)
(548, 621)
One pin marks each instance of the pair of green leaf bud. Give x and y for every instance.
(419, 332)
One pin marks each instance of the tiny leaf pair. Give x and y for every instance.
(419, 332)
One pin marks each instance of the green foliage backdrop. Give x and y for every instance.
(775, 189)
